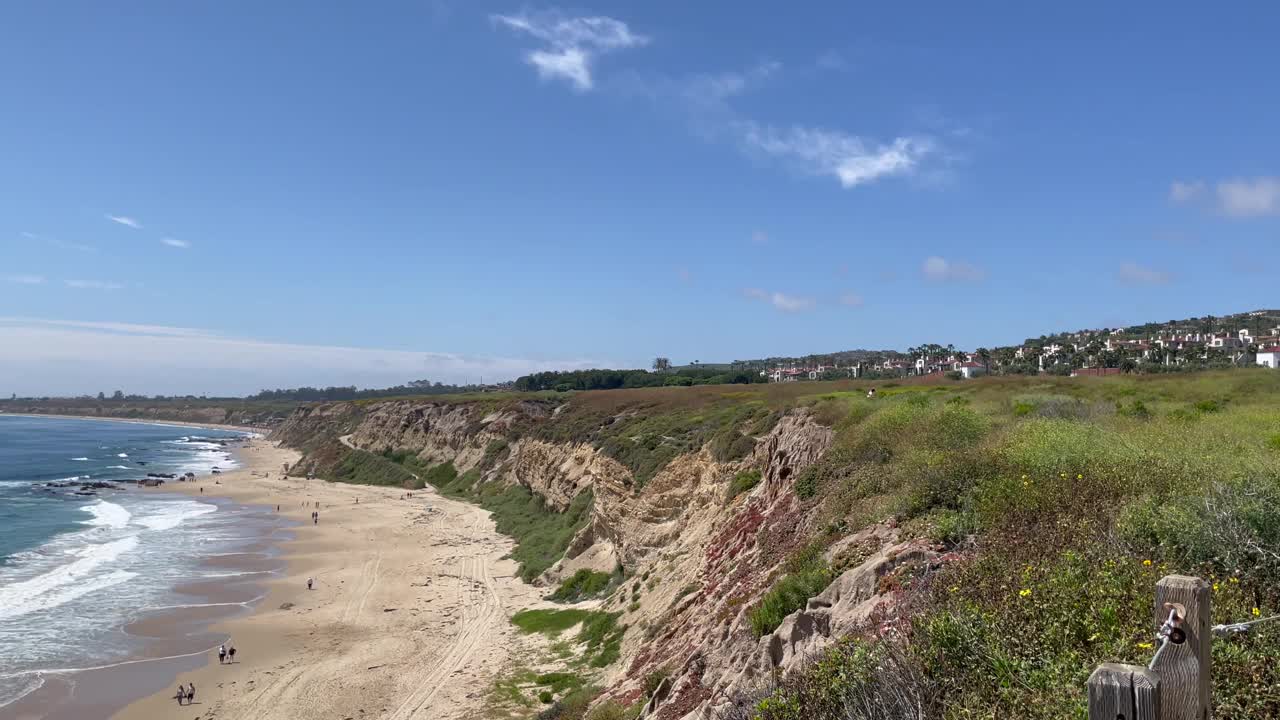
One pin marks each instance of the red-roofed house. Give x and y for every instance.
(970, 369)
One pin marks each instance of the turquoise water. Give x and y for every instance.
(76, 569)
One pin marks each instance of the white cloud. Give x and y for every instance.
(174, 242)
(573, 43)
(851, 300)
(1254, 197)
(126, 221)
(1185, 192)
(51, 356)
(942, 270)
(781, 301)
(92, 285)
(848, 158)
(1134, 274)
(26, 279)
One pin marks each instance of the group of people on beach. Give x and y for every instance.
(226, 654)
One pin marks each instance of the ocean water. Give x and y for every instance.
(75, 570)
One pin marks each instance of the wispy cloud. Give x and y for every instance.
(1184, 192)
(851, 300)
(58, 356)
(58, 243)
(781, 301)
(850, 159)
(939, 269)
(1235, 198)
(93, 285)
(573, 43)
(125, 220)
(1254, 197)
(26, 279)
(175, 242)
(1135, 274)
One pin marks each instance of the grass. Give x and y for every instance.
(1078, 494)
(600, 634)
(585, 584)
(806, 575)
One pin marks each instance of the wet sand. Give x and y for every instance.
(176, 638)
(409, 616)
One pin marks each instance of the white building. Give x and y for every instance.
(970, 369)
(1269, 357)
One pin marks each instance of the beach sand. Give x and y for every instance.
(409, 617)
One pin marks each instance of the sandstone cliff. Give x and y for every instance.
(696, 559)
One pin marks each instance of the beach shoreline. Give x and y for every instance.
(174, 637)
(408, 618)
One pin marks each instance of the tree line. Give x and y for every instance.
(564, 381)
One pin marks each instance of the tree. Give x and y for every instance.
(102, 396)
(985, 356)
(662, 364)
(117, 395)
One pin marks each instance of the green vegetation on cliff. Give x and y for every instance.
(541, 533)
(1064, 505)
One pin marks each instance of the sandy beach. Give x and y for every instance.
(408, 617)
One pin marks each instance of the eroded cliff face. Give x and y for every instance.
(696, 560)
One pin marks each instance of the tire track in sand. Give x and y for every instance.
(462, 648)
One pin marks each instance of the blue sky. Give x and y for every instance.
(224, 196)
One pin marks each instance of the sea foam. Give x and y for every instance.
(65, 583)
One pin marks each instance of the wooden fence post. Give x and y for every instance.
(1124, 692)
(1184, 667)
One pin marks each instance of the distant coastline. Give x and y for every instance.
(141, 421)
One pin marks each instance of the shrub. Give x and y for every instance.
(744, 481)
(545, 697)
(807, 574)
(855, 680)
(585, 584)
(1208, 406)
(729, 444)
(653, 679)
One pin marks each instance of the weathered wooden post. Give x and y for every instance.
(1184, 666)
(1124, 692)
(1176, 687)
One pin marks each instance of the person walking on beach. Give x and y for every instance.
(222, 654)
(231, 653)
(191, 693)
(315, 518)
(181, 694)
(309, 582)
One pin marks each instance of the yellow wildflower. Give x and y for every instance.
(1079, 477)
(1256, 612)
(1147, 563)
(1024, 592)
(1235, 580)
(1145, 646)
(1215, 587)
